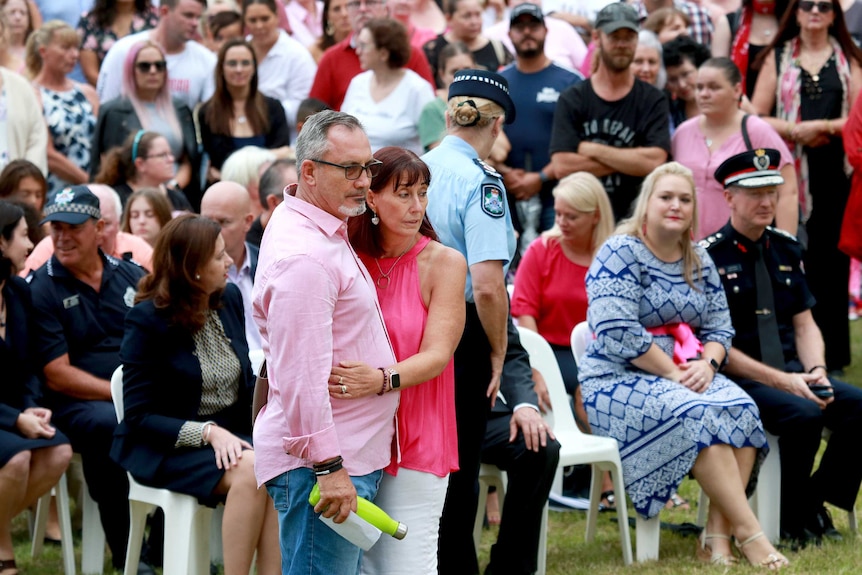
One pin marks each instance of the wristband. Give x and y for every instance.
(337, 467)
(823, 367)
(328, 465)
(543, 177)
(385, 380)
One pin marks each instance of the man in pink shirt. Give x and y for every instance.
(315, 306)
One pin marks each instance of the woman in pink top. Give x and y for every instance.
(420, 286)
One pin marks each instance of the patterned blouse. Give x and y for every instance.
(71, 123)
(100, 40)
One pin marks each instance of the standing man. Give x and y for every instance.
(271, 193)
(228, 204)
(535, 83)
(80, 300)
(190, 65)
(315, 306)
(613, 125)
(778, 352)
(340, 63)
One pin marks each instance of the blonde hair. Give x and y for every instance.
(243, 166)
(636, 224)
(469, 111)
(584, 192)
(54, 29)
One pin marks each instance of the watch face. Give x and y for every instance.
(394, 379)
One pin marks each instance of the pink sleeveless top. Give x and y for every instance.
(426, 416)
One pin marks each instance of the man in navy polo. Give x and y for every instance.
(80, 300)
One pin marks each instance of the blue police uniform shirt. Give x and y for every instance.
(467, 206)
(74, 318)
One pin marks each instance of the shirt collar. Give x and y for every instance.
(328, 224)
(460, 145)
(57, 270)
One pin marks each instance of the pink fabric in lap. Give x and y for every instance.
(427, 434)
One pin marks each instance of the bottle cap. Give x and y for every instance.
(400, 531)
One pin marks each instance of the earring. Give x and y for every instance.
(197, 276)
(374, 219)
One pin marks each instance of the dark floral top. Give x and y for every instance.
(100, 40)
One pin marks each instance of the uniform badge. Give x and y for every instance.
(493, 203)
(129, 296)
(64, 197)
(71, 301)
(761, 160)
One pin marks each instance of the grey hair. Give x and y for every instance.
(112, 194)
(313, 140)
(243, 166)
(648, 39)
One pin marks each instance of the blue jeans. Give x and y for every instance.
(308, 546)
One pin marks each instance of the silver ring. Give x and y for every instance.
(340, 380)
(343, 389)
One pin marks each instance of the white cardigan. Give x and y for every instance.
(26, 131)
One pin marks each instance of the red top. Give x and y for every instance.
(340, 64)
(427, 433)
(550, 288)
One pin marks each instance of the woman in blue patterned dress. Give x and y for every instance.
(650, 383)
(69, 107)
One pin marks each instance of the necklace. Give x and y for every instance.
(385, 275)
(241, 119)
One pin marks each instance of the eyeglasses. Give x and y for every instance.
(162, 156)
(238, 63)
(369, 4)
(354, 171)
(822, 7)
(144, 67)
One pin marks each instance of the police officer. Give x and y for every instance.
(80, 300)
(468, 209)
(778, 352)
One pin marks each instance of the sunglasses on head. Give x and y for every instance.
(822, 7)
(145, 67)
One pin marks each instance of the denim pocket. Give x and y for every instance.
(277, 489)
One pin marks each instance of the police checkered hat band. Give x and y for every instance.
(72, 205)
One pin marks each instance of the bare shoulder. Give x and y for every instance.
(444, 259)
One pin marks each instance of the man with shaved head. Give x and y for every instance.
(229, 204)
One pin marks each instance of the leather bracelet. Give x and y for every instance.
(336, 461)
(337, 467)
(385, 380)
(823, 367)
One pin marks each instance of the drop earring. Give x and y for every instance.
(374, 219)
(197, 276)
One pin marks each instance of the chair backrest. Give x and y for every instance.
(581, 336)
(117, 392)
(542, 359)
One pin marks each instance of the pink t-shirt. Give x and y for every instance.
(689, 148)
(552, 289)
(427, 433)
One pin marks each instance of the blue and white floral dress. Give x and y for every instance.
(71, 123)
(660, 425)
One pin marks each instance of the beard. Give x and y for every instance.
(619, 61)
(530, 53)
(352, 212)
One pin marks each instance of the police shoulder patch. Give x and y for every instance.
(493, 201)
(487, 168)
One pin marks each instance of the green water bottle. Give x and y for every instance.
(370, 513)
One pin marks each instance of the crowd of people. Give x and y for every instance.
(348, 187)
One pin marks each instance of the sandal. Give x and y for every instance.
(6, 565)
(677, 502)
(773, 562)
(706, 554)
(608, 501)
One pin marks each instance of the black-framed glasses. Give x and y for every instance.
(822, 7)
(144, 67)
(354, 171)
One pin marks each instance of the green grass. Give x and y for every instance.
(568, 554)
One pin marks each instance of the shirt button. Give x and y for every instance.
(735, 289)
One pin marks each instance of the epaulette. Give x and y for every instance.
(487, 168)
(779, 232)
(127, 257)
(712, 240)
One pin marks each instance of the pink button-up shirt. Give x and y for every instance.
(315, 305)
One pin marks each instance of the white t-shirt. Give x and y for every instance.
(190, 72)
(394, 120)
(286, 74)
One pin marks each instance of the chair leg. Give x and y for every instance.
(93, 538)
(595, 499)
(200, 541)
(479, 521)
(138, 511)
(767, 497)
(851, 520)
(542, 559)
(647, 534)
(186, 539)
(702, 508)
(65, 516)
(623, 512)
(38, 523)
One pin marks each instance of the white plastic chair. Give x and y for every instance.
(647, 531)
(39, 521)
(576, 447)
(187, 523)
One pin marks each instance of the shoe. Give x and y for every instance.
(773, 561)
(677, 502)
(822, 526)
(707, 555)
(608, 502)
(8, 566)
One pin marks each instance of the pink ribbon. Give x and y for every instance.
(686, 346)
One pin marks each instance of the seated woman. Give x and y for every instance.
(649, 382)
(187, 386)
(387, 98)
(147, 212)
(238, 115)
(33, 454)
(145, 160)
(146, 104)
(420, 285)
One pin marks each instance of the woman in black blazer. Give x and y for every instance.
(187, 387)
(33, 455)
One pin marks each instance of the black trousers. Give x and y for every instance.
(530, 475)
(90, 427)
(456, 551)
(799, 423)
